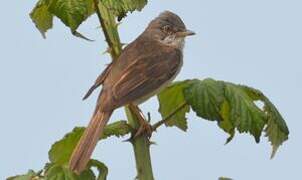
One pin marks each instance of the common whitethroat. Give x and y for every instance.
(145, 66)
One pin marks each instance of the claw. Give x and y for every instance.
(144, 129)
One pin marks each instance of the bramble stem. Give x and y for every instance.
(141, 146)
(109, 27)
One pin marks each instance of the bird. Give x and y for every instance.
(144, 67)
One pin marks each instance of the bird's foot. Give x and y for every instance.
(144, 129)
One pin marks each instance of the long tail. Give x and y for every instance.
(83, 151)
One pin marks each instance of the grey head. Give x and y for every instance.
(169, 29)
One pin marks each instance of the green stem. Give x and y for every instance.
(141, 144)
(109, 26)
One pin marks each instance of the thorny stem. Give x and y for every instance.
(109, 25)
(141, 146)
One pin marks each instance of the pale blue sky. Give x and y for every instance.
(257, 43)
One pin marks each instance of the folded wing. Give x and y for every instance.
(146, 75)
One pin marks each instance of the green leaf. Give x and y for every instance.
(225, 122)
(29, 176)
(224, 178)
(275, 135)
(228, 104)
(171, 98)
(42, 18)
(102, 168)
(59, 172)
(71, 12)
(232, 106)
(244, 113)
(121, 7)
(118, 129)
(276, 129)
(206, 98)
(61, 151)
(55, 171)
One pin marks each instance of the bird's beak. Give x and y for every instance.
(185, 33)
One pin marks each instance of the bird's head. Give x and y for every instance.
(169, 29)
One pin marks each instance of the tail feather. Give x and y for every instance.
(92, 88)
(83, 151)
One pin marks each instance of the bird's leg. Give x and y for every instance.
(145, 127)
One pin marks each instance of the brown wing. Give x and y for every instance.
(145, 75)
(98, 81)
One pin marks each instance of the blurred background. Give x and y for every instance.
(256, 43)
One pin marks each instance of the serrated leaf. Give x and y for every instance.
(234, 107)
(228, 104)
(171, 98)
(29, 176)
(118, 129)
(42, 18)
(61, 151)
(60, 172)
(71, 12)
(225, 122)
(206, 98)
(244, 113)
(121, 7)
(275, 135)
(55, 171)
(276, 129)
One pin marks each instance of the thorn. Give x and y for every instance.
(79, 35)
(149, 117)
(118, 24)
(108, 50)
(124, 44)
(130, 140)
(39, 173)
(273, 152)
(230, 138)
(152, 143)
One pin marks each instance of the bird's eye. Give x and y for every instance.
(166, 28)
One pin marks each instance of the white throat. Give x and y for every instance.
(177, 42)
